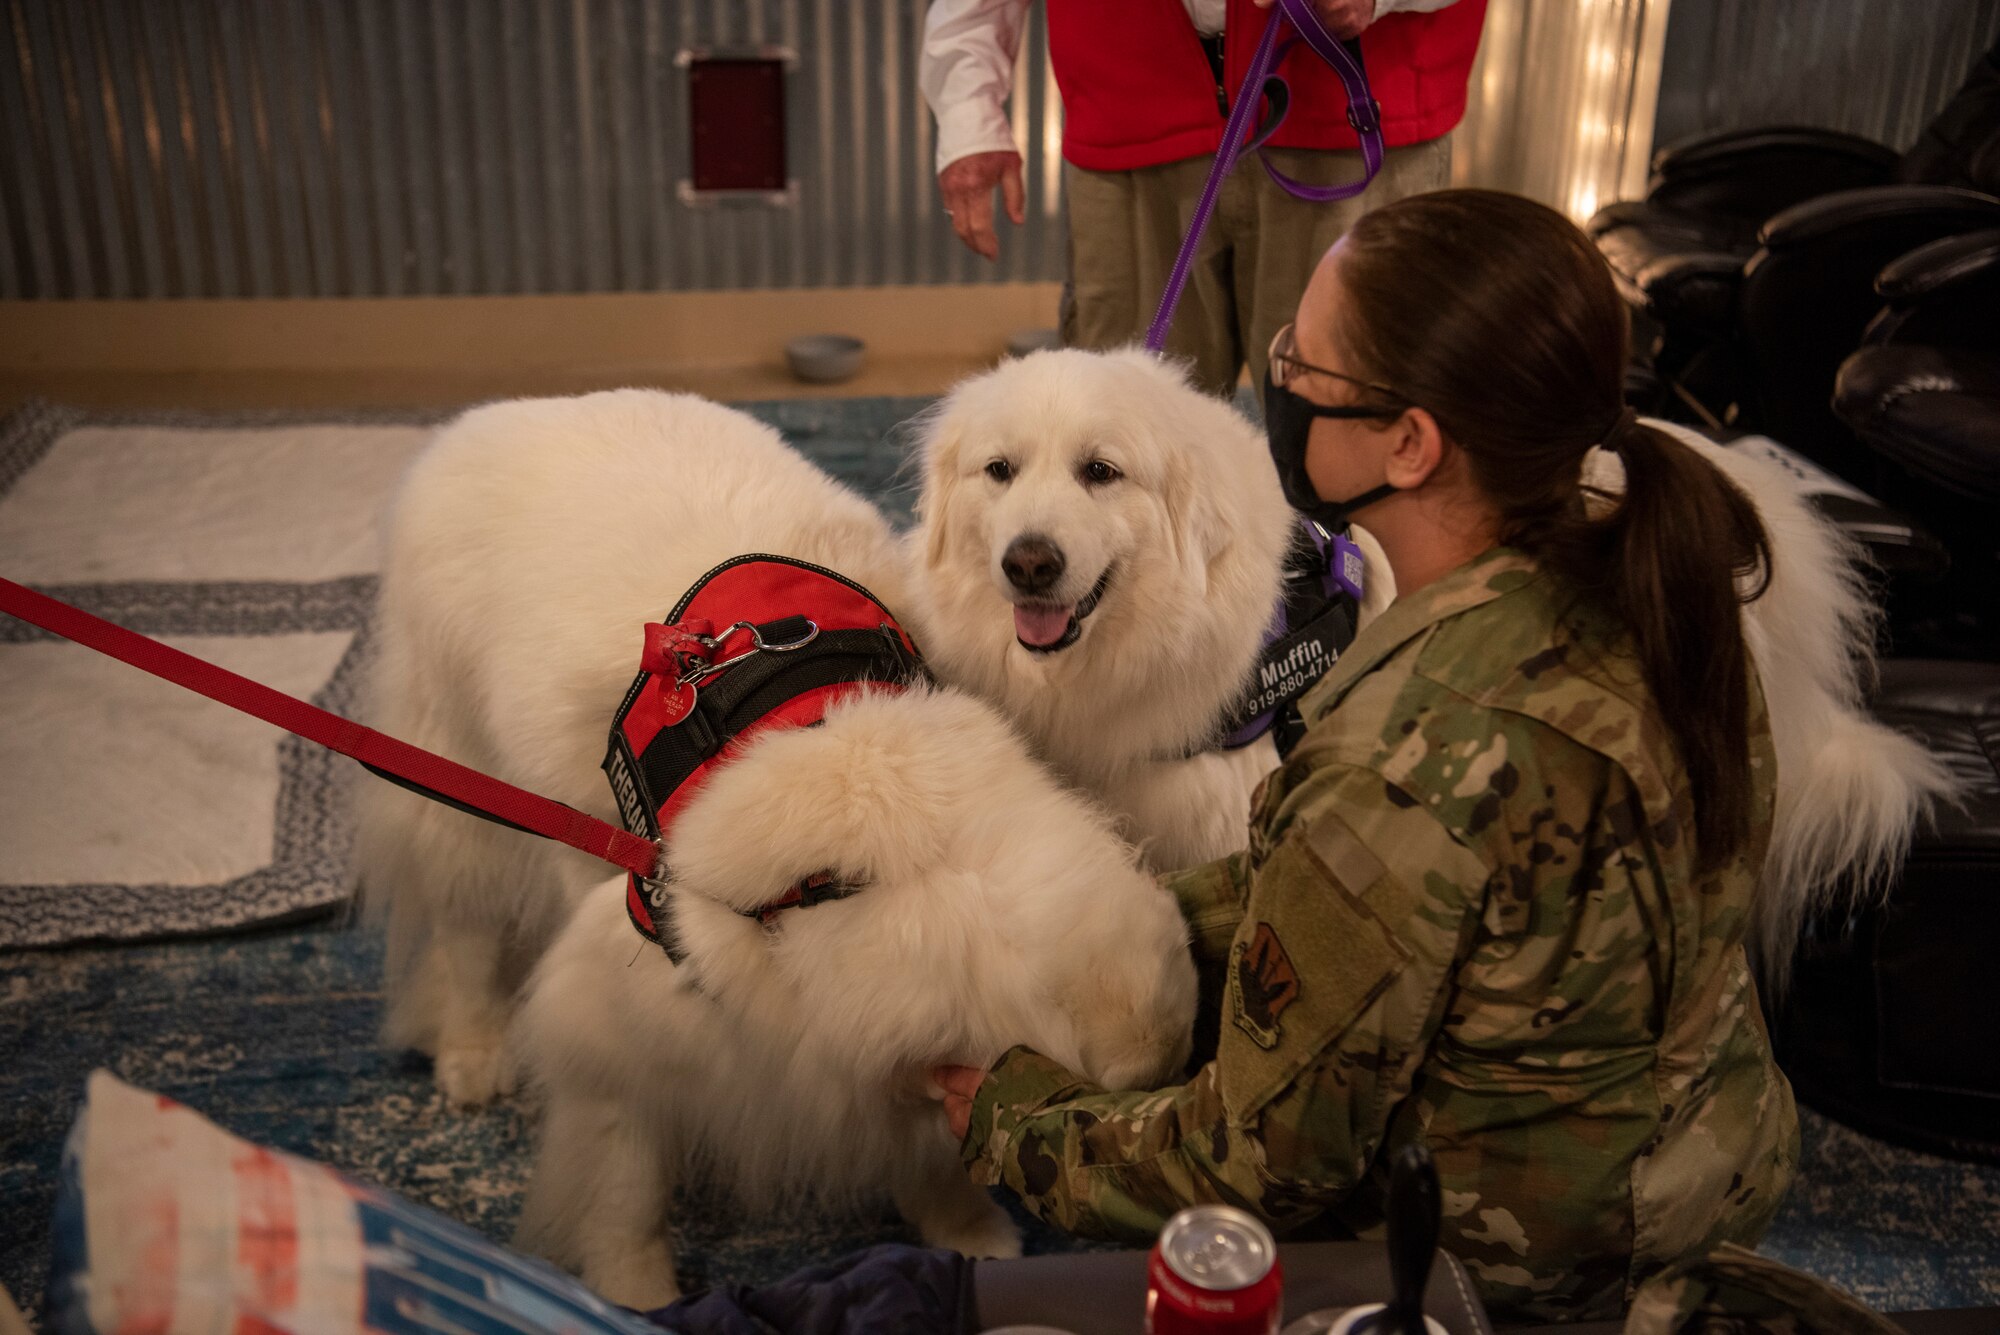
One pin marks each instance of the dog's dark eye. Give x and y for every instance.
(1000, 471)
(1097, 472)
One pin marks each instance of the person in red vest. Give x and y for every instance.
(1147, 86)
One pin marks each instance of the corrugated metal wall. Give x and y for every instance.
(1560, 104)
(229, 148)
(1878, 68)
(235, 148)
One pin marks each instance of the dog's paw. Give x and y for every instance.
(471, 1074)
(641, 1277)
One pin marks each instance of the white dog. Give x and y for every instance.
(791, 1061)
(1118, 662)
(528, 547)
(1098, 552)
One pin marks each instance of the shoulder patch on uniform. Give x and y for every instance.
(1262, 983)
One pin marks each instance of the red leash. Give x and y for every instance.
(399, 760)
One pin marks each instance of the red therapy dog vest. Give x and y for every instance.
(1138, 91)
(760, 642)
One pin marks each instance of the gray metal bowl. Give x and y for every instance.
(825, 359)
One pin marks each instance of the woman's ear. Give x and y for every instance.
(1416, 450)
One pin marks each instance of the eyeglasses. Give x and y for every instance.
(1286, 367)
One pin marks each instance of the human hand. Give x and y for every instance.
(1345, 19)
(966, 185)
(956, 1087)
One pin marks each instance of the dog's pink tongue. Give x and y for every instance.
(1040, 625)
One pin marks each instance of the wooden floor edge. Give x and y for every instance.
(433, 351)
(480, 335)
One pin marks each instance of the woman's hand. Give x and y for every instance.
(957, 1086)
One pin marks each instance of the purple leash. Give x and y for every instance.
(1340, 559)
(1259, 81)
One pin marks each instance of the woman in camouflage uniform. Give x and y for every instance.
(1495, 900)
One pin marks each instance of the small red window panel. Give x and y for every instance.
(736, 115)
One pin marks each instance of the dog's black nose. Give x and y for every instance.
(1032, 563)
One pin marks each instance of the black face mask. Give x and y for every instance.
(1288, 421)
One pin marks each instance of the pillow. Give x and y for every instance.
(165, 1222)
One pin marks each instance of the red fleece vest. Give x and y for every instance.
(1138, 91)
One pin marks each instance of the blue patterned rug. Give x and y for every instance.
(271, 1032)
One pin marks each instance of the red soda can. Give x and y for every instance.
(1214, 1271)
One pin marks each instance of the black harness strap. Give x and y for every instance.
(730, 697)
(734, 699)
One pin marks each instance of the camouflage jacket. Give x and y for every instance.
(1468, 915)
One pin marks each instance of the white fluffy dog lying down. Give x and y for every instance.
(791, 1060)
(1186, 549)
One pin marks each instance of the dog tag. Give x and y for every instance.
(676, 702)
(1349, 567)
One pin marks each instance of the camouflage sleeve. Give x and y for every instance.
(1211, 897)
(1338, 975)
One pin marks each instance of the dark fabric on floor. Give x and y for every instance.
(886, 1290)
(272, 1034)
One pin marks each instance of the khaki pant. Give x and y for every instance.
(1251, 269)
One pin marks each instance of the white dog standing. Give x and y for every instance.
(528, 547)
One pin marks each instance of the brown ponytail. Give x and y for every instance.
(1498, 317)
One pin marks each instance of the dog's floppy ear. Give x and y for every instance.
(940, 454)
(1195, 525)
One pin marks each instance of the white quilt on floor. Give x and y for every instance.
(131, 808)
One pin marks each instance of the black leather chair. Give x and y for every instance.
(1890, 1022)
(1808, 295)
(1922, 399)
(1708, 196)
(1679, 254)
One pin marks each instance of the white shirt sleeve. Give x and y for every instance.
(966, 69)
(1409, 6)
